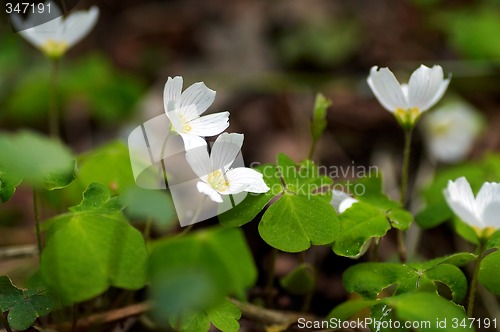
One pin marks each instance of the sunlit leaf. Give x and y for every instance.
(295, 222)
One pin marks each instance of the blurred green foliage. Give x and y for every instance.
(473, 32)
(320, 43)
(91, 82)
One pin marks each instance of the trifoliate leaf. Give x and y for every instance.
(97, 199)
(104, 249)
(370, 279)
(196, 271)
(24, 306)
(358, 224)
(295, 222)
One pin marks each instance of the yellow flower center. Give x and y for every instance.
(185, 126)
(408, 117)
(54, 49)
(484, 233)
(217, 181)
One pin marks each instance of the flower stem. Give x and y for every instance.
(473, 283)
(312, 148)
(37, 224)
(404, 190)
(53, 112)
(270, 277)
(147, 228)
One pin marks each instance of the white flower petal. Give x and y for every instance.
(78, 25)
(387, 89)
(346, 203)
(199, 161)
(175, 120)
(188, 113)
(38, 35)
(488, 204)
(426, 87)
(245, 179)
(209, 191)
(172, 93)
(225, 149)
(198, 95)
(209, 125)
(337, 198)
(192, 141)
(460, 198)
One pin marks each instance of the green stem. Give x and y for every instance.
(473, 283)
(404, 190)
(164, 168)
(37, 224)
(147, 228)
(309, 295)
(53, 112)
(406, 167)
(312, 148)
(270, 277)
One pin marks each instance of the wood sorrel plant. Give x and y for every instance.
(97, 261)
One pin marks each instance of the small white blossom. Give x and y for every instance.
(57, 36)
(341, 201)
(450, 132)
(184, 111)
(482, 213)
(408, 101)
(217, 177)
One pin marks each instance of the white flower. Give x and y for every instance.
(217, 178)
(450, 132)
(55, 37)
(184, 109)
(481, 213)
(341, 201)
(408, 101)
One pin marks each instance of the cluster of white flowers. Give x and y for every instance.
(449, 133)
(217, 178)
